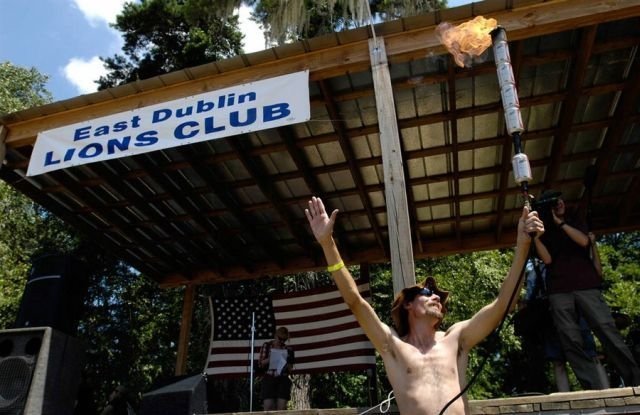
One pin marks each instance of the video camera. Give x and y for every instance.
(547, 201)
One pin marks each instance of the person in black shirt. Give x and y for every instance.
(574, 287)
(276, 362)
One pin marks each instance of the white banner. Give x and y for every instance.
(269, 103)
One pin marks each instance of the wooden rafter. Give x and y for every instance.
(310, 179)
(567, 113)
(345, 146)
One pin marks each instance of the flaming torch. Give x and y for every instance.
(470, 40)
(511, 106)
(466, 42)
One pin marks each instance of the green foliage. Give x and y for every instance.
(395, 9)
(24, 226)
(620, 256)
(129, 325)
(21, 88)
(163, 36)
(130, 329)
(26, 230)
(339, 390)
(304, 19)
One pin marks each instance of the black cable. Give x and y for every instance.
(495, 333)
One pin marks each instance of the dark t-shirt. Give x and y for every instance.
(571, 267)
(265, 352)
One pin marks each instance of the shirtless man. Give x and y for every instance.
(426, 367)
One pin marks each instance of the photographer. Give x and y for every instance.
(574, 288)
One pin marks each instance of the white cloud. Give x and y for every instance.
(101, 10)
(83, 73)
(253, 36)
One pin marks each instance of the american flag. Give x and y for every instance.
(323, 332)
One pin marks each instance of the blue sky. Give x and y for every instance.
(64, 38)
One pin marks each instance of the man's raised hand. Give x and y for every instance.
(321, 223)
(529, 224)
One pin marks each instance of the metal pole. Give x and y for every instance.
(253, 332)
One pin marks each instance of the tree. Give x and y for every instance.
(284, 21)
(124, 324)
(24, 226)
(130, 327)
(163, 36)
(21, 88)
(620, 254)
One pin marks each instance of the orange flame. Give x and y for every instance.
(467, 40)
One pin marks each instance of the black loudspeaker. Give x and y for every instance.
(54, 294)
(39, 371)
(185, 397)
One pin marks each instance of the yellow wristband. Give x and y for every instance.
(335, 267)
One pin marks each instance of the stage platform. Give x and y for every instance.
(608, 401)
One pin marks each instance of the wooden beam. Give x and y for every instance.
(575, 80)
(351, 160)
(311, 180)
(401, 249)
(225, 194)
(453, 135)
(619, 122)
(256, 169)
(185, 329)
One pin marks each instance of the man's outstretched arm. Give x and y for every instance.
(322, 226)
(488, 318)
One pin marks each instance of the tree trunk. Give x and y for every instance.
(300, 392)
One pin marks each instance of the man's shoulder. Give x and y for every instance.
(457, 326)
(453, 332)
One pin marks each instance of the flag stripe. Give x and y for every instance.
(323, 332)
(241, 360)
(353, 364)
(318, 330)
(301, 320)
(319, 301)
(313, 293)
(298, 330)
(323, 342)
(310, 343)
(322, 358)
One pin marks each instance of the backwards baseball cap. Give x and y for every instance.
(399, 313)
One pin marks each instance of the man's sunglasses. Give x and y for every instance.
(426, 292)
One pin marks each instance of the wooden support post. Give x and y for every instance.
(185, 329)
(402, 265)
